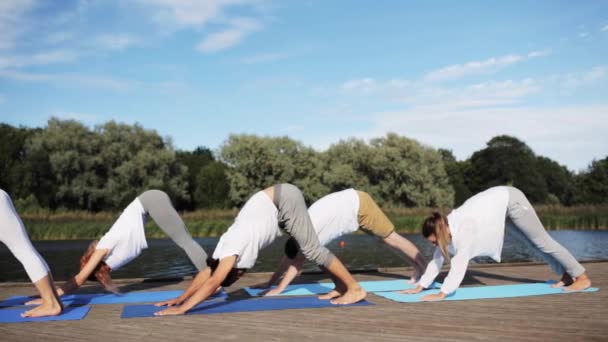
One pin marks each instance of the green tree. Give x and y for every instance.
(559, 180)
(13, 166)
(456, 173)
(194, 162)
(592, 184)
(255, 163)
(506, 160)
(212, 188)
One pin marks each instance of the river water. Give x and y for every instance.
(359, 251)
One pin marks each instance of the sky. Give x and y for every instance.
(450, 74)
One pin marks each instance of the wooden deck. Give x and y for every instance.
(579, 316)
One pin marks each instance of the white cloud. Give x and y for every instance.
(475, 67)
(575, 80)
(190, 13)
(217, 41)
(69, 79)
(12, 15)
(41, 58)
(361, 85)
(119, 41)
(539, 53)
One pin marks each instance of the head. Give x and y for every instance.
(291, 248)
(102, 270)
(436, 230)
(234, 274)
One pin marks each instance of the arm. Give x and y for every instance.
(196, 284)
(206, 290)
(74, 283)
(284, 265)
(458, 268)
(294, 267)
(432, 270)
(409, 251)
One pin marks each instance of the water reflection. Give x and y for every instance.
(164, 259)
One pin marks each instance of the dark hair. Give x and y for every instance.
(291, 248)
(231, 277)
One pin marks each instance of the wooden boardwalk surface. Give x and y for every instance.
(578, 316)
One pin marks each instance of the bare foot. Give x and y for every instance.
(330, 295)
(50, 309)
(351, 296)
(558, 284)
(581, 283)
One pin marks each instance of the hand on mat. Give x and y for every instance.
(172, 311)
(272, 292)
(433, 297)
(263, 285)
(418, 289)
(170, 302)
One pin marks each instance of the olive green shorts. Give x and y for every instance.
(371, 218)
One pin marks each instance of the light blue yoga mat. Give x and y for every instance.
(110, 298)
(319, 288)
(485, 292)
(68, 314)
(245, 305)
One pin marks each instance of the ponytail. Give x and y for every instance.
(437, 225)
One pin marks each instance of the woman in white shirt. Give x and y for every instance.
(126, 239)
(14, 236)
(477, 229)
(337, 214)
(258, 224)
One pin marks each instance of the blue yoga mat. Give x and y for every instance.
(484, 292)
(110, 298)
(319, 288)
(245, 305)
(68, 314)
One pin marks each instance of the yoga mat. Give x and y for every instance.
(245, 305)
(110, 298)
(68, 314)
(319, 288)
(485, 292)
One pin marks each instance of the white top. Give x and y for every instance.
(126, 239)
(255, 227)
(335, 215)
(477, 228)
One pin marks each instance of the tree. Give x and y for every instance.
(558, 179)
(592, 184)
(211, 188)
(12, 160)
(456, 173)
(194, 162)
(506, 161)
(255, 163)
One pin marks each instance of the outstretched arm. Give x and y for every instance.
(458, 268)
(293, 269)
(432, 270)
(409, 251)
(75, 282)
(284, 265)
(207, 289)
(196, 284)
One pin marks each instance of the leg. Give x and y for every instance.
(521, 213)
(374, 221)
(13, 234)
(294, 219)
(159, 207)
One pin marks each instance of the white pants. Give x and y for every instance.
(14, 236)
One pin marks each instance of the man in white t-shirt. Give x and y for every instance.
(259, 223)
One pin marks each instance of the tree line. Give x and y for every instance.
(67, 165)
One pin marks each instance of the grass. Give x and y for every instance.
(71, 225)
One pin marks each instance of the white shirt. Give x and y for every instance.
(477, 228)
(126, 239)
(335, 215)
(255, 227)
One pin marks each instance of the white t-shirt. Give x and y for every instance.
(335, 215)
(255, 227)
(126, 239)
(477, 228)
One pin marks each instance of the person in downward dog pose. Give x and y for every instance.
(14, 236)
(337, 214)
(126, 239)
(258, 224)
(477, 228)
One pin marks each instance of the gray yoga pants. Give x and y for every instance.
(158, 205)
(294, 219)
(526, 226)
